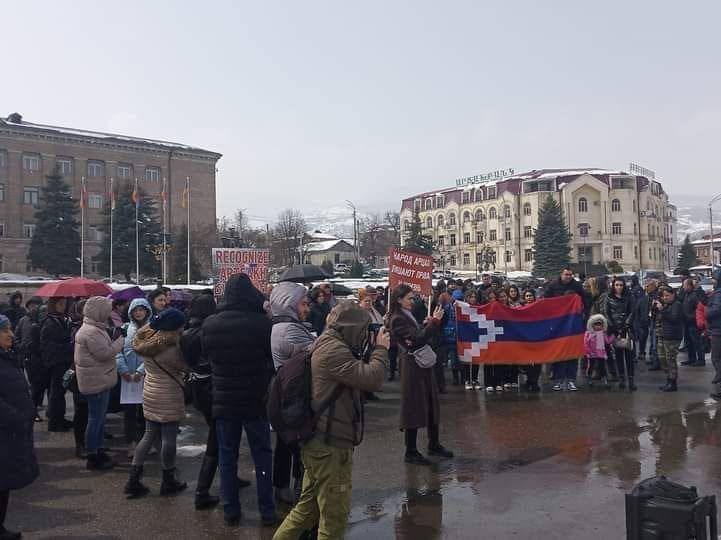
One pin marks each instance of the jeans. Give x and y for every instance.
(80, 419)
(565, 371)
(230, 433)
(97, 407)
(694, 344)
(652, 358)
(326, 495)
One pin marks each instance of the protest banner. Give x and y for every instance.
(230, 261)
(411, 269)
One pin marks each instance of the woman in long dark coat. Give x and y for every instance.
(18, 465)
(419, 388)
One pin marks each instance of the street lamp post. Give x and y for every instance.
(710, 223)
(355, 229)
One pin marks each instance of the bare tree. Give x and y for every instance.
(393, 220)
(289, 231)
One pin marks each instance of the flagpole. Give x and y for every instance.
(187, 181)
(165, 224)
(112, 208)
(82, 226)
(137, 243)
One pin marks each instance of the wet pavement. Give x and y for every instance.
(549, 465)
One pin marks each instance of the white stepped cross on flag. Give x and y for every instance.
(491, 331)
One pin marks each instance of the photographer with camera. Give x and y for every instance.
(338, 377)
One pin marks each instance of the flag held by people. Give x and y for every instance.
(550, 330)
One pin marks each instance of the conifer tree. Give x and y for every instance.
(552, 243)
(416, 241)
(687, 255)
(178, 258)
(55, 245)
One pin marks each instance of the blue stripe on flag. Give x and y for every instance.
(558, 327)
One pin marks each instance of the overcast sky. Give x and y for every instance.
(312, 102)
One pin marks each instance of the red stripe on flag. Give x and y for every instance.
(546, 308)
(525, 353)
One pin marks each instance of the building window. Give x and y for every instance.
(416, 203)
(615, 228)
(441, 241)
(95, 201)
(2, 192)
(466, 197)
(491, 192)
(2, 268)
(585, 253)
(508, 235)
(634, 206)
(453, 260)
(429, 204)
(429, 222)
(440, 220)
(28, 230)
(527, 209)
(440, 201)
(2, 229)
(655, 254)
(152, 174)
(583, 204)
(650, 253)
(466, 238)
(466, 217)
(452, 218)
(30, 196)
(95, 234)
(466, 259)
(492, 213)
(527, 231)
(615, 205)
(31, 162)
(583, 229)
(635, 229)
(125, 171)
(406, 225)
(492, 235)
(635, 252)
(618, 252)
(3, 159)
(480, 216)
(64, 166)
(509, 255)
(479, 237)
(528, 255)
(453, 240)
(95, 169)
(506, 211)
(478, 195)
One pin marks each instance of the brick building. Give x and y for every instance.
(29, 152)
(612, 216)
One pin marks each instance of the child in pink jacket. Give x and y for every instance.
(594, 345)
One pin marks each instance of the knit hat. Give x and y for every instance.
(457, 294)
(34, 300)
(4, 322)
(169, 319)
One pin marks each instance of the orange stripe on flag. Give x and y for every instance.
(525, 353)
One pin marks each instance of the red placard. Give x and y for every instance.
(412, 269)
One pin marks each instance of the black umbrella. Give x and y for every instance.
(303, 273)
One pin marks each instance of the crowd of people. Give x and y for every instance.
(222, 358)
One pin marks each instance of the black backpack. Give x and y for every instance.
(289, 400)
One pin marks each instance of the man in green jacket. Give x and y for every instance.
(337, 361)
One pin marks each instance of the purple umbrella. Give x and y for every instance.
(131, 293)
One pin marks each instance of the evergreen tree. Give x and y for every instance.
(416, 241)
(55, 246)
(687, 255)
(552, 243)
(149, 234)
(178, 259)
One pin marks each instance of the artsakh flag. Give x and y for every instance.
(83, 193)
(136, 194)
(549, 330)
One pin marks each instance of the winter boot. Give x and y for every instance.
(670, 386)
(631, 385)
(134, 487)
(170, 483)
(622, 383)
(95, 462)
(203, 499)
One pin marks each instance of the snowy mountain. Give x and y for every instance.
(693, 218)
(338, 220)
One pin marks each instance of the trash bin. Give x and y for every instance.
(658, 509)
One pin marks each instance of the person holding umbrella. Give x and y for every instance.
(56, 348)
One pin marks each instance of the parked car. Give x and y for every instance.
(341, 268)
(341, 291)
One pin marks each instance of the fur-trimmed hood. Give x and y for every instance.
(148, 342)
(593, 319)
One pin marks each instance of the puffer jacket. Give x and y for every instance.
(594, 343)
(289, 335)
(95, 353)
(236, 341)
(671, 320)
(128, 360)
(713, 308)
(619, 312)
(336, 361)
(18, 464)
(56, 342)
(163, 395)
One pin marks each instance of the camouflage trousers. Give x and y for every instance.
(667, 353)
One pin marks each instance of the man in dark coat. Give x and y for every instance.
(15, 311)
(236, 341)
(18, 465)
(56, 348)
(713, 325)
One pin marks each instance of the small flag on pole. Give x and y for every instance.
(136, 193)
(164, 193)
(186, 193)
(111, 195)
(83, 193)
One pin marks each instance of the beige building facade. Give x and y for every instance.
(612, 216)
(29, 152)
